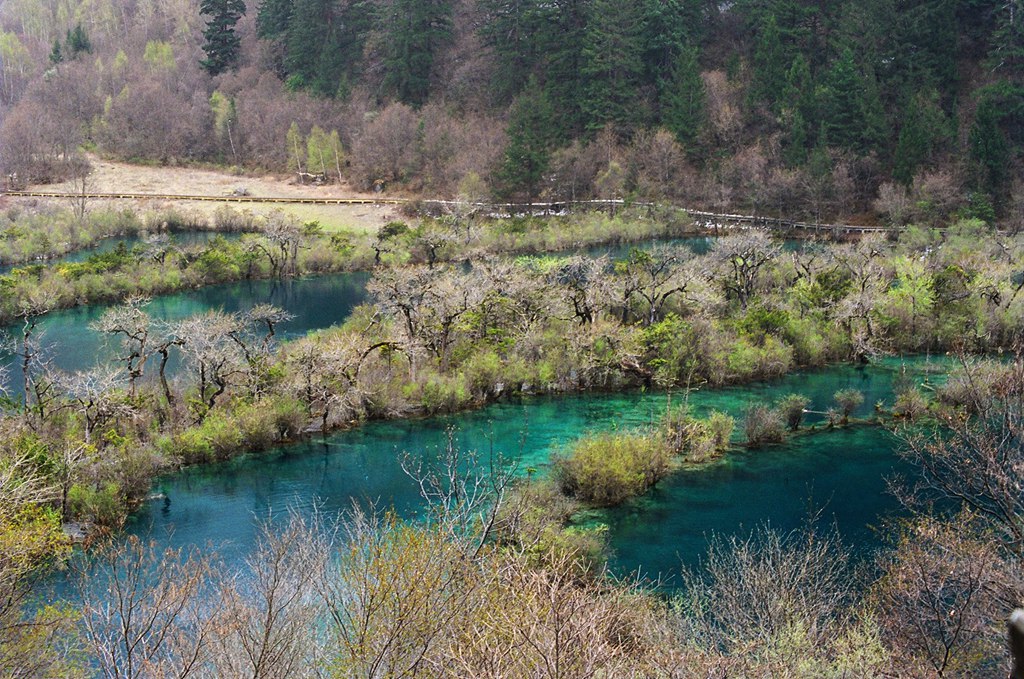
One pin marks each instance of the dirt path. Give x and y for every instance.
(114, 177)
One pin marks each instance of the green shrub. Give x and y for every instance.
(440, 393)
(721, 426)
(100, 504)
(483, 371)
(792, 409)
(608, 469)
(697, 439)
(763, 425)
(910, 404)
(256, 426)
(289, 418)
(190, 447)
(847, 401)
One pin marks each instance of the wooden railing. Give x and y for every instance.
(708, 220)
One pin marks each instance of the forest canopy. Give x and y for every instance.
(897, 112)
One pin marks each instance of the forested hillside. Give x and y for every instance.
(890, 110)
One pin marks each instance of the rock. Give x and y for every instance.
(78, 531)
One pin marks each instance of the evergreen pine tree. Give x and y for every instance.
(561, 43)
(924, 129)
(1007, 50)
(852, 111)
(683, 105)
(926, 39)
(668, 27)
(222, 44)
(307, 34)
(841, 103)
(799, 90)
(56, 56)
(526, 158)
(795, 150)
(416, 30)
(769, 78)
(513, 29)
(874, 124)
(612, 70)
(76, 42)
(989, 148)
(273, 17)
(799, 111)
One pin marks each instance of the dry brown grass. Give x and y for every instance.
(114, 177)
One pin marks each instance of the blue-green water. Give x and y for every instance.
(841, 472)
(178, 238)
(315, 303)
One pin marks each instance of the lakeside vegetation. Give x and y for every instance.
(439, 337)
(905, 114)
(280, 247)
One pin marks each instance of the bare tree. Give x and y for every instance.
(257, 351)
(83, 186)
(583, 286)
(547, 623)
(131, 324)
(757, 588)
(393, 593)
(30, 352)
(270, 611)
(93, 394)
(31, 645)
(213, 354)
(464, 491)
(144, 612)
(976, 461)
(428, 303)
(654, 277)
(742, 257)
(943, 587)
(279, 243)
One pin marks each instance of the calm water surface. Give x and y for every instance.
(840, 472)
(315, 302)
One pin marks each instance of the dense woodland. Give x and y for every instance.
(882, 110)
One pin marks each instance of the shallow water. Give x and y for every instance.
(315, 303)
(179, 238)
(840, 472)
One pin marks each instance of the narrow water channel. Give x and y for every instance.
(841, 472)
(316, 302)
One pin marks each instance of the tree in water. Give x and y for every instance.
(222, 44)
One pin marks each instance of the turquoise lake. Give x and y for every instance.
(840, 472)
(316, 302)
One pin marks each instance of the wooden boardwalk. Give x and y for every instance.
(707, 220)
